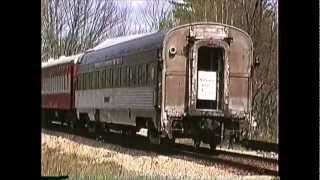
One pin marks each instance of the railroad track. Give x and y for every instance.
(254, 164)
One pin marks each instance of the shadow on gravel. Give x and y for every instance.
(178, 151)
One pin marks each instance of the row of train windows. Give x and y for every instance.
(56, 84)
(126, 76)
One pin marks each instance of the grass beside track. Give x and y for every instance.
(56, 163)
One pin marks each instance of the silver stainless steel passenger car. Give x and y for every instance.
(192, 81)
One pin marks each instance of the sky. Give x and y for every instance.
(135, 7)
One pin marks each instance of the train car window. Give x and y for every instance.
(98, 79)
(113, 72)
(68, 81)
(62, 83)
(119, 78)
(85, 81)
(92, 80)
(144, 71)
(134, 73)
(127, 76)
(147, 74)
(134, 76)
(51, 83)
(54, 84)
(140, 74)
(88, 80)
(121, 75)
(130, 76)
(107, 78)
(44, 85)
(41, 84)
(82, 81)
(59, 83)
(152, 75)
(116, 76)
(111, 78)
(137, 76)
(103, 81)
(95, 80)
(124, 77)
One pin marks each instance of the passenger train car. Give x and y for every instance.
(193, 81)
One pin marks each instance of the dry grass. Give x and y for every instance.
(57, 163)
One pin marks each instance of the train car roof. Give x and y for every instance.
(118, 40)
(123, 45)
(61, 60)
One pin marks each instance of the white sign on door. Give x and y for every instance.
(207, 82)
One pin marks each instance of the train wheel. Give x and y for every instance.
(213, 146)
(72, 124)
(153, 135)
(196, 143)
(91, 127)
(44, 120)
(168, 141)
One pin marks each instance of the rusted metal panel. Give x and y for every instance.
(235, 88)
(175, 73)
(240, 67)
(238, 100)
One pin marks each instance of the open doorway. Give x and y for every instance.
(210, 77)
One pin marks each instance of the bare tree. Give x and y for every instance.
(156, 15)
(72, 26)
